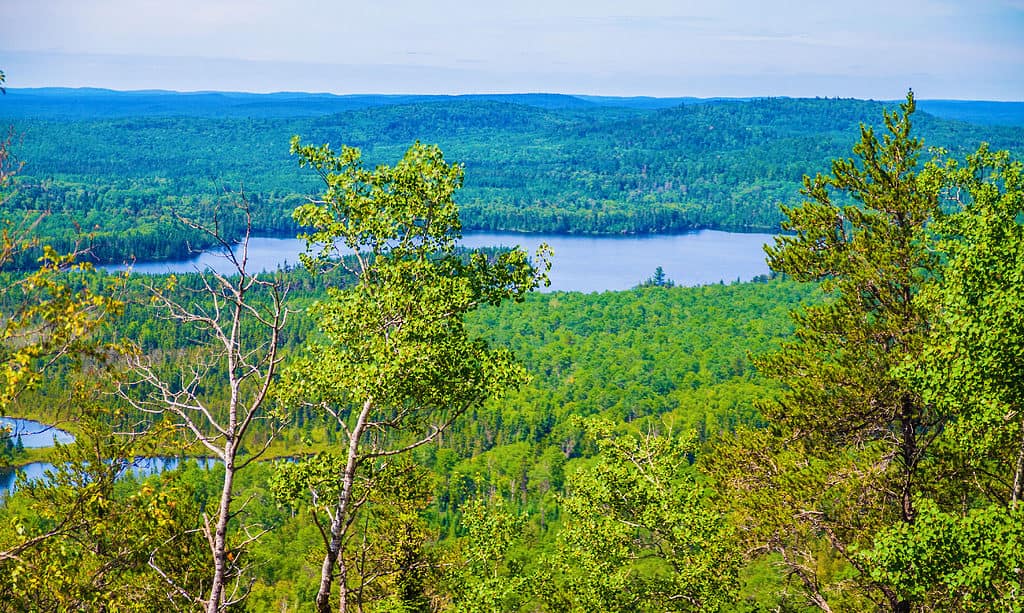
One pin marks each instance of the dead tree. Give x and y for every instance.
(217, 309)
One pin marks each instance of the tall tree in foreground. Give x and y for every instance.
(847, 444)
(218, 310)
(966, 550)
(396, 365)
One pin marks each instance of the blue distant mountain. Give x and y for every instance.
(68, 103)
(982, 112)
(98, 103)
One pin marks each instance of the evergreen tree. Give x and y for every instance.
(844, 455)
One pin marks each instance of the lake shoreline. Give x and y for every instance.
(581, 263)
(43, 454)
(105, 264)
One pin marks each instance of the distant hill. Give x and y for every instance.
(647, 102)
(88, 103)
(91, 103)
(119, 162)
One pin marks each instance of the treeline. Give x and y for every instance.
(572, 169)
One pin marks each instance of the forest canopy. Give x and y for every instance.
(407, 427)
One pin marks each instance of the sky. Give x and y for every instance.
(955, 49)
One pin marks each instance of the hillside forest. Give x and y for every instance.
(116, 166)
(400, 424)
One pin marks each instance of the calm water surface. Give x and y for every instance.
(580, 263)
(36, 435)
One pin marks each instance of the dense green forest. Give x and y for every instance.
(412, 427)
(113, 167)
(651, 357)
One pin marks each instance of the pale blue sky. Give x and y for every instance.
(967, 49)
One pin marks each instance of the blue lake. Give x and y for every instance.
(37, 435)
(580, 263)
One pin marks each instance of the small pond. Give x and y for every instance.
(33, 434)
(140, 467)
(36, 435)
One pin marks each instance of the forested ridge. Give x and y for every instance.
(533, 163)
(412, 427)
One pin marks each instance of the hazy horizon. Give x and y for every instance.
(582, 96)
(943, 49)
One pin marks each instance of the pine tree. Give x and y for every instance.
(842, 457)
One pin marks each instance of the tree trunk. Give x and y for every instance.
(323, 595)
(219, 542)
(339, 524)
(909, 452)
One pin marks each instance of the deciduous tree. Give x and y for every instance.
(84, 539)
(396, 365)
(964, 553)
(638, 534)
(246, 364)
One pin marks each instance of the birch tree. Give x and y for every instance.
(217, 309)
(396, 367)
